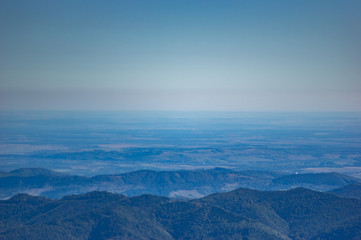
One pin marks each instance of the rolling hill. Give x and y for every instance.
(349, 191)
(175, 184)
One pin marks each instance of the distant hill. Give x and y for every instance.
(28, 172)
(350, 191)
(39, 181)
(317, 181)
(183, 184)
(175, 184)
(240, 214)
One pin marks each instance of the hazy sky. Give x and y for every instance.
(180, 55)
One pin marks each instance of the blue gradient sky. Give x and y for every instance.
(180, 55)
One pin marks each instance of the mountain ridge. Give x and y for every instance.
(239, 214)
(180, 184)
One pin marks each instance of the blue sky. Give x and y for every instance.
(180, 55)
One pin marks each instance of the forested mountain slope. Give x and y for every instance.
(240, 214)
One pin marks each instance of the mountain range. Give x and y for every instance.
(175, 184)
(240, 214)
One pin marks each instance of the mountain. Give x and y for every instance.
(349, 191)
(175, 184)
(38, 177)
(184, 184)
(39, 181)
(240, 214)
(317, 181)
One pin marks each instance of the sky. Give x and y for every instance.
(180, 55)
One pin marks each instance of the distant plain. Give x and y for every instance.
(93, 143)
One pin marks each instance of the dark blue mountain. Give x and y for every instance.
(241, 214)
